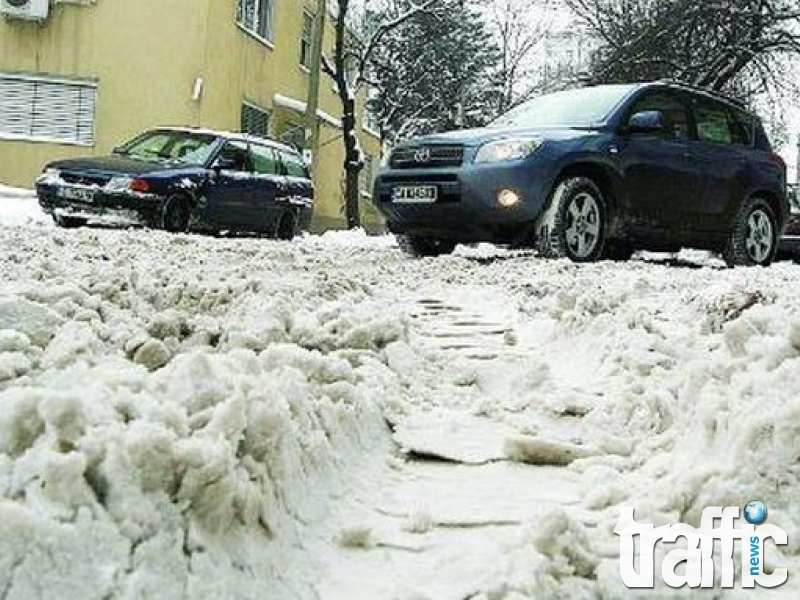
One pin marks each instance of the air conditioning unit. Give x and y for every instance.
(32, 10)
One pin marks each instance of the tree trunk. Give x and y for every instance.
(353, 160)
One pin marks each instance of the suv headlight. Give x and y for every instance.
(118, 184)
(508, 149)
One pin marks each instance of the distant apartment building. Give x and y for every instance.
(90, 74)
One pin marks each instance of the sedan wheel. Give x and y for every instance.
(176, 215)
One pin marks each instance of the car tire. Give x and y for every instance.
(175, 216)
(286, 226)
(418, 246)
(69, 222)
(753, 239)
(618, 250)
(574, 225)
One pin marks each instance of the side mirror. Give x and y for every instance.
(649, 121)
(224, 164)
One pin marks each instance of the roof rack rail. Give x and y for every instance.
(710, 92)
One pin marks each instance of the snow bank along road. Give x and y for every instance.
(188, 417)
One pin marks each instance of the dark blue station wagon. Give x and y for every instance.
(181, 179)
(595, 173)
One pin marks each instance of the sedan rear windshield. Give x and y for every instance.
(580, 108)
(182, 147)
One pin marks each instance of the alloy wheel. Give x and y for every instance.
(583, 231)
(760, 236)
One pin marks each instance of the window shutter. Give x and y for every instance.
(47, 109)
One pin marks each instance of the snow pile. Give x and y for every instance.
(20, 207)
(188, 417)
(155, 443)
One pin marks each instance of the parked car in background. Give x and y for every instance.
(180, 179)
(790, 241)
(595, 173)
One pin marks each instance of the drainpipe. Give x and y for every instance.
(312, 102)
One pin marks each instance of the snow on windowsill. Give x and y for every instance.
(44, 140)
(300, 106)
(256, 37)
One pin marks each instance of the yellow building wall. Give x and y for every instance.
(146, 55)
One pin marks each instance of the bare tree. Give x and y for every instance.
(732, 45)
(355, 44)
(520, 27)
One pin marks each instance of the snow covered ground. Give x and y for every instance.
(190, 417)
(19, 207)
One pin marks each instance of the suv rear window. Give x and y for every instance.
(712, 123)
(743, 127)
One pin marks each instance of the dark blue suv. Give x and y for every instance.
(595, 173)
(180, 179)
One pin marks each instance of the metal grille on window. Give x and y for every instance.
(47, 109)
(255, 121)
(293, 134)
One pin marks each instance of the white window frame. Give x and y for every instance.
(254, 28)
(307, 39)
(34, 121)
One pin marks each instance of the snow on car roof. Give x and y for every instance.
(232, 135)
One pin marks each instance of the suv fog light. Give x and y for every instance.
(508, 198)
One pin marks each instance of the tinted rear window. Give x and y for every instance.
(713, 124)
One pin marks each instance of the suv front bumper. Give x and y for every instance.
(467, 208)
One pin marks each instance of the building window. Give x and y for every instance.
(47, 109)
(255, 120)
(256, 17)
(306, 40)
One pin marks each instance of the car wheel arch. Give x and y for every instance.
(774, 202)
(602, 175)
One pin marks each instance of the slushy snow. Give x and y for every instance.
(190, 417)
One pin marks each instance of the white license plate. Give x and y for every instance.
(415, 194)
(74, 193)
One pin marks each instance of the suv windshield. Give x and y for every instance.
(183, 147)
(579, 108)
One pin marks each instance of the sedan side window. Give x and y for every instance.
(712, 123)
(673, 110)
(234, 156)
(265, 162)
(294, 165)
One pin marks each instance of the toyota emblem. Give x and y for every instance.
(422, 155)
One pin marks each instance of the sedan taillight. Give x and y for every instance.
(140, 185)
